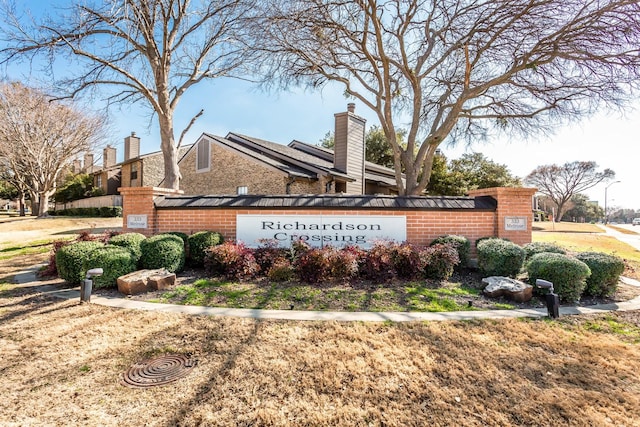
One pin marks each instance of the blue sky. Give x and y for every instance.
(612, 140)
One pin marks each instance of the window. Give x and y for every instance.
(99, 181)
(134, 171)
(203, 157)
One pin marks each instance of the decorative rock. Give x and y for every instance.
(145, 280)
(505, 286)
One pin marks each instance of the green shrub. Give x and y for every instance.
(163, 251)
(567, 274)
(70, 260)
(130, 241)
(201, 241)
(110, 211)
(115, 261)
(498, 257)
(530, 249)
(605, 272)
(460, 243)
(185, 240)
(439, 260)
(488, 238)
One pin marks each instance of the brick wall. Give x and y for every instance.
(422, 225)
(512, 203)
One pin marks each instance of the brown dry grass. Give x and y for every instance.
(28, 229)
(61, 364)
(567, 227)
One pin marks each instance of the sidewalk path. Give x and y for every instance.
(28, 279)
(632, 240)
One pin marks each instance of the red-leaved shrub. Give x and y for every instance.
(232, 260)
(343, 263)
(377, 263)
(312, 265)
(406, 260)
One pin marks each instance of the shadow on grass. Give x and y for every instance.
(97, 230)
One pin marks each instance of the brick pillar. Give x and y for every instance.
(514, 212)
(138, 208)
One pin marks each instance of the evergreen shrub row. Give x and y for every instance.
(124, 254)
(103, 212)
(586, 273)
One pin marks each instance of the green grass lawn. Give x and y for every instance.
(578, 238)
(30, 248)
(411, 296)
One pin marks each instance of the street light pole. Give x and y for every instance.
(606, 215)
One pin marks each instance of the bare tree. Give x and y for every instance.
(561, 183)
(151, 51)
(448, 69)
(39, 138)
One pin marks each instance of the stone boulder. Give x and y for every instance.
(145, 280)
(512, 289)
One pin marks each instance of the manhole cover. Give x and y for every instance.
(159, 371)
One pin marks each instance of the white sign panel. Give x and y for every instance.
(136, 221)
(515, 223)
(320, 230)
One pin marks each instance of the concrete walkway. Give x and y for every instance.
(28, 279)
(632, 240)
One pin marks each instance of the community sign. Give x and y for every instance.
(320, 230)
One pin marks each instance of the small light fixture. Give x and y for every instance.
(242, 190)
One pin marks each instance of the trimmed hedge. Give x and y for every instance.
(70, 260)
(567, 274)
(163, 251)
(115, 261)
(498, 257)
(104, 212)
(130, 241)
(530, 249)
(460, 243)
(605, 272)
(439, 260)
(201, 241)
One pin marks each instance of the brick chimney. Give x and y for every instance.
(108, 157)
(76, 167)
(88, 163)
(349, 148)
(131, 147)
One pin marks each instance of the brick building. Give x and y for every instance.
(134, 171)
(243, 164)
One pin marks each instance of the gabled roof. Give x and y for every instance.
(373, 171)
(298, 159)
(181, 152)
(241, 147)
(288, 154)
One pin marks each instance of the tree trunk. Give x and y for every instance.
(43, 203)
(172, 174)
(21, 204)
